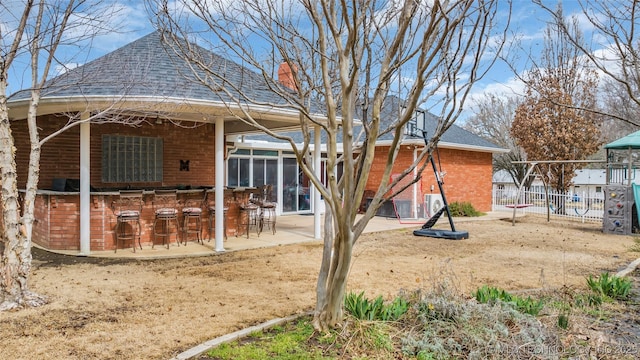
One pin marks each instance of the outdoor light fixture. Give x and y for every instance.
(158, 121)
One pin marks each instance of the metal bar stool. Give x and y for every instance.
(166, 213)
(211, 204)
(192, 215)
(249, 216)
(127, 210)
(267, 209)
(248, 211)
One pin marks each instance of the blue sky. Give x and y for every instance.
(527, 24)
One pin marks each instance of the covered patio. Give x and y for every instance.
(141, 95)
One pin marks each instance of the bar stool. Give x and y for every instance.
(248, 210)
(127, 210)
(192, 216)
(249, 217)
(211, 204)
(164, 204)
(267, 209)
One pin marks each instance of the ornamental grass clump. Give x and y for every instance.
(610, 286)
(490, 295)
(364, 309)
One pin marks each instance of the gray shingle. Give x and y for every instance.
(454, 135)
(147, 67)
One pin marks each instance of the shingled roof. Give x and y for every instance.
(454, 137)
(148, 70)
(148, 67)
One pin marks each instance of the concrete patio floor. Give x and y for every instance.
(290, 229)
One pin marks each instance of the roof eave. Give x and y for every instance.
(205, 109)
(448, 145)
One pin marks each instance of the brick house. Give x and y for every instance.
(145, 106)
(465, 158)
(142, 101)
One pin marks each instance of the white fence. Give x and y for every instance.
(583, 206)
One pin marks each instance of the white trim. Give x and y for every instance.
(94, 102)
(219, 183)
(317, 166)
(447, 145)
(85, 187)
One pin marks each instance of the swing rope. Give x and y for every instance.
(587, 199)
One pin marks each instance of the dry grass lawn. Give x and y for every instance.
(156, 309)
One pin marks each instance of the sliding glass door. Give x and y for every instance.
(295, 191)
(265, 172)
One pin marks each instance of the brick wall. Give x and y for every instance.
(57, 225)
(57, 217)
(467, 179)
(61, 157)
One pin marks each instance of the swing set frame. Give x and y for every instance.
(533, 164)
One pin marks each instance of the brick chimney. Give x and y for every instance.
(286, 76)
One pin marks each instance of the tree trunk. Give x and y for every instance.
(28, 206)
(332, 281)
(15, 264)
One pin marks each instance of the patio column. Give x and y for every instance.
(317, 165)
(85, 187)
(416, 187)
(219, 183)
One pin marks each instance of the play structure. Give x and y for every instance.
(622, 192)
(621, 189)
(427, 229)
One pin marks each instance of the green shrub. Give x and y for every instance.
(463, 209)
(364, 309)
(487, 294)
(610, 286)
(395, 310)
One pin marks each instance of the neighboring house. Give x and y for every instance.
(586, 183)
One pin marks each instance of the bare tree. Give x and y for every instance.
(556, 121)
(616, 101)
(342, 56)
(614, 48)
(492, 119)
(37, 32)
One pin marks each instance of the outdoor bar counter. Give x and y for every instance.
(57, 214)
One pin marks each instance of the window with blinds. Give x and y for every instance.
(127, 159)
